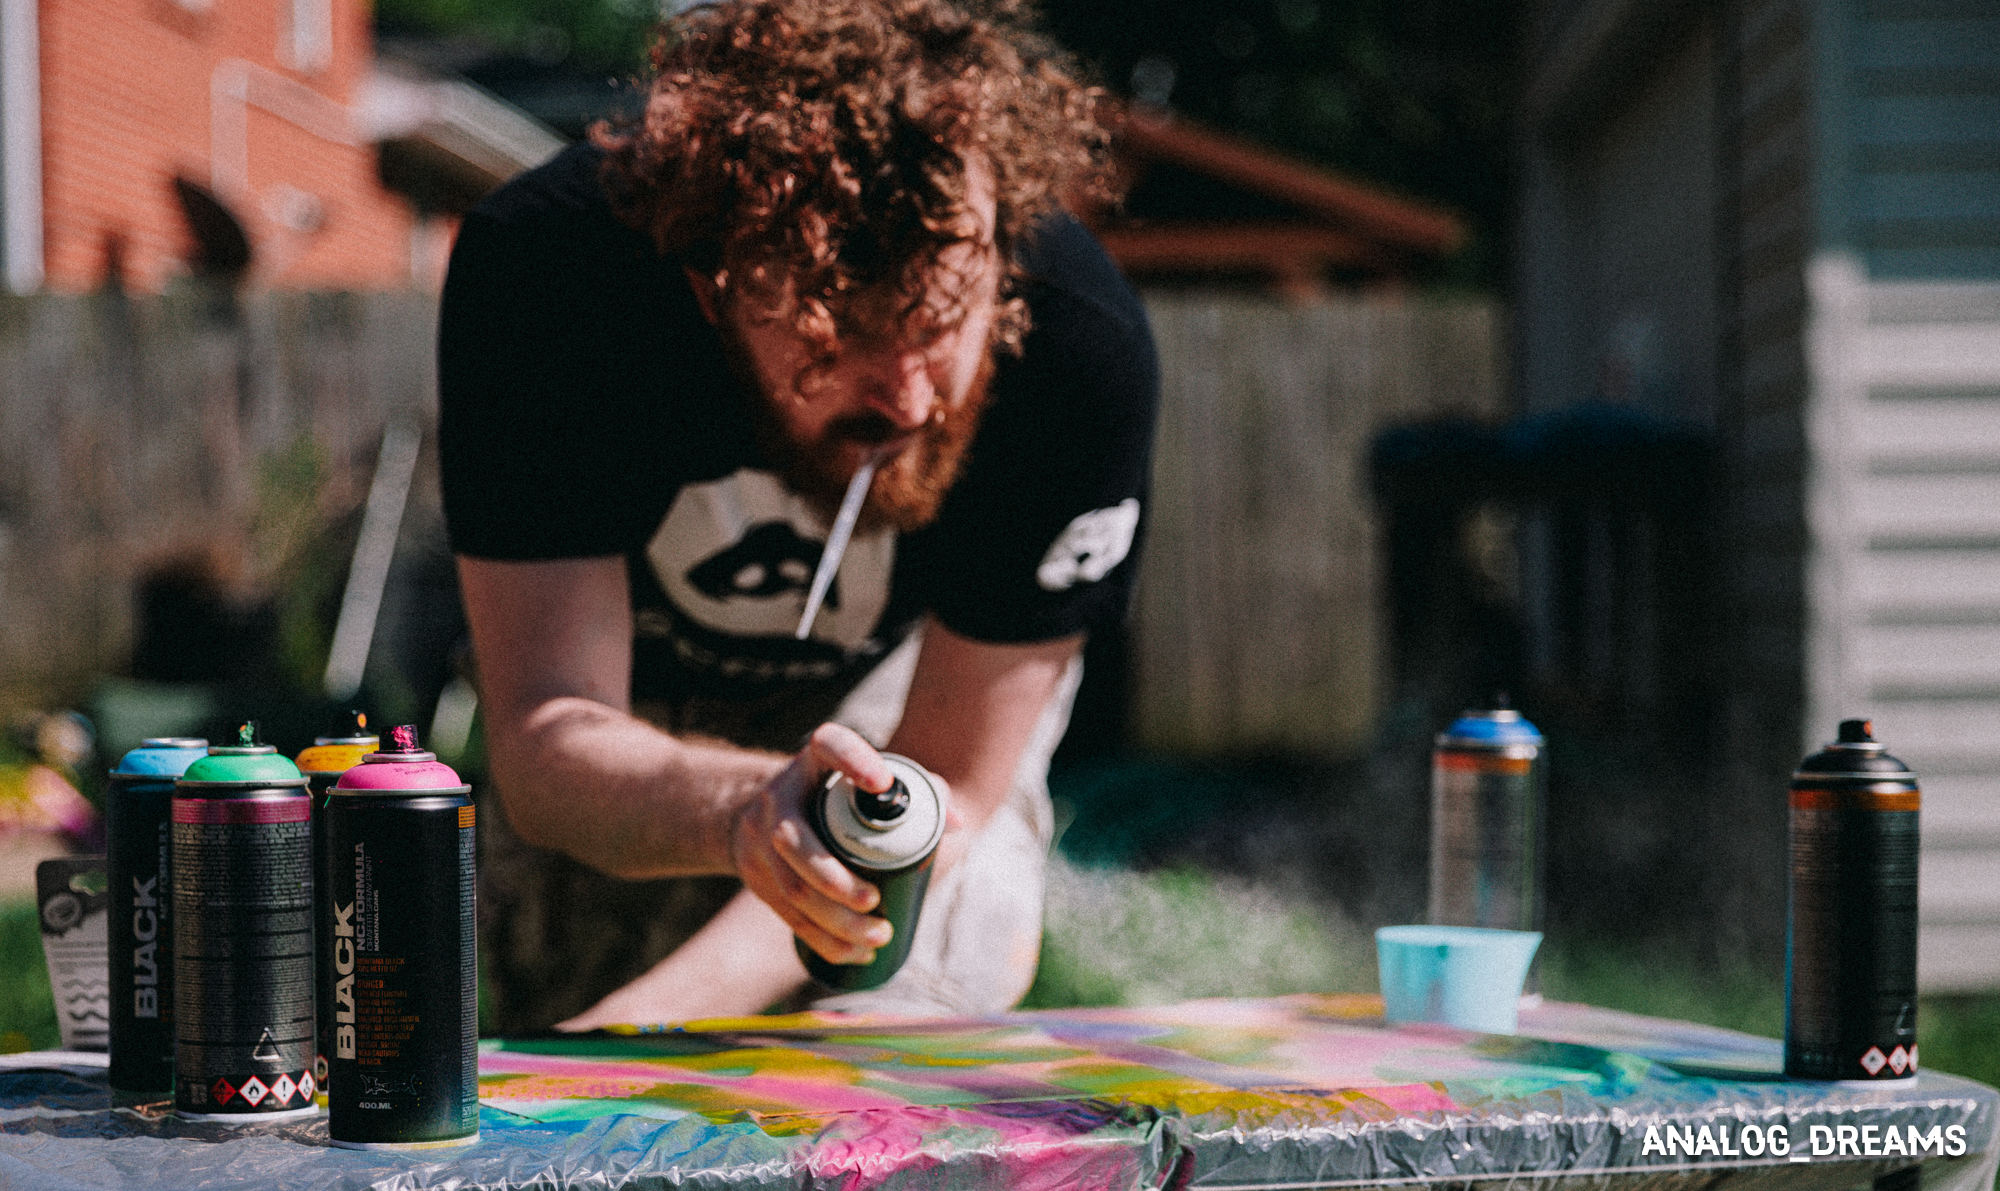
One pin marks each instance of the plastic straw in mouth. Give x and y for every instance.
(836, 541)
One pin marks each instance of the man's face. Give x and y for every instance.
(906, 385)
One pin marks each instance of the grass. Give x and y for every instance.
(1116, 937)
(27, 1007)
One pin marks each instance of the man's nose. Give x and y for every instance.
(901, 389)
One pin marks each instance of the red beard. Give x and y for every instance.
(908, 488)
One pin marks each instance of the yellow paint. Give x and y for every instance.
(773, 1061)
(332, 758)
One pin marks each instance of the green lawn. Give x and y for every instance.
(27, 1008)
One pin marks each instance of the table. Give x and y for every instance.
(1284, 1093)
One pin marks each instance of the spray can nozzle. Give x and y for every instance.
(884, 808)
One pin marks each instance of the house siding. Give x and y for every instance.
(1918, 196)
(1905, 351)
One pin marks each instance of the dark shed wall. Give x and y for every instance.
(1765, 233)
(1667, 219)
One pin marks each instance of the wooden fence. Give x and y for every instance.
(1261, 619)
(135, 429)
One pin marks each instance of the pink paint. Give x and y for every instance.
(242, 810)
(806, 1095)
(1414, 1097)
(404, 765)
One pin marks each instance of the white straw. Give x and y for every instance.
(836, 542)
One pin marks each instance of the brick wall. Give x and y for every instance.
(127, 104)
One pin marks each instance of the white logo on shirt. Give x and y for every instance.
(1089, 547)
(737, 556)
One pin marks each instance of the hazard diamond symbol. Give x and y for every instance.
(254, 1091)
(1899, 1060)
(1871, 1062)
(284, 1088)
(306, 1084)
(224, 1091)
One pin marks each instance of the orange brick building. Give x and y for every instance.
(257, 107)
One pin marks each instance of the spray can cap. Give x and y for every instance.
(1498, 728)
(403, 764)
(161, 756)
(247, 760)
(1854, 754)
(881, 809)
(349, 727)
(885, 829)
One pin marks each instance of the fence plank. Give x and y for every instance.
(133, 429)
(1259, 619)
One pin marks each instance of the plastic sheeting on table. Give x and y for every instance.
(1292, 1092)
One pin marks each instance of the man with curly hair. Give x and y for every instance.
(833, 240)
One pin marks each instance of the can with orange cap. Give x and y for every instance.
(341, 749)
(1851, 938)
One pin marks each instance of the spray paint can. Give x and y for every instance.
(1486, 822)
(404, 962)
(1851, 937)
(331, 755)
(138, 806)
(889, 840)
(243, 952)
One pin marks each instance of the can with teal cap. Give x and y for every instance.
(243, 947)
(1486, 829)
(403, 1071)
(347, 740)
(138, 805)
(888, 839)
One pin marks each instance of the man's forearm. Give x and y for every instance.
(620, 795)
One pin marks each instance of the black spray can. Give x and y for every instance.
(340, 750)
(889, 840)
(1851, 942)
(243, 951)
(404, 965)
(138, 812)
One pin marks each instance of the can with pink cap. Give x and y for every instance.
(404, 1070)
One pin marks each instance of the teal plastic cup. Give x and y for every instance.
(1463, 976)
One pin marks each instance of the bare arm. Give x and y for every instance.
(971, 710)
(577, 773)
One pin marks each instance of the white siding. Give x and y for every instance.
(1905, 516)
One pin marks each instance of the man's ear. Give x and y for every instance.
(707, 294)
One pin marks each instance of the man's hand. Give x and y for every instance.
(784, 863)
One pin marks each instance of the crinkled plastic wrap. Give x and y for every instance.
(1294, 1092)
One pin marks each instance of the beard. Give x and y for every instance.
(909, 487)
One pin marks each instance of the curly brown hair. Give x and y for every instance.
(825, 143)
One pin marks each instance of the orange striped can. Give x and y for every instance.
(1851, 931)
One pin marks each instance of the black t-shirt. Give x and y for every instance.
(588, 410)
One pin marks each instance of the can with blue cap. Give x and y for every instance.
(139, 842)
(1486, 861)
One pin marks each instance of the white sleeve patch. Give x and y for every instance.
(1089, 547)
